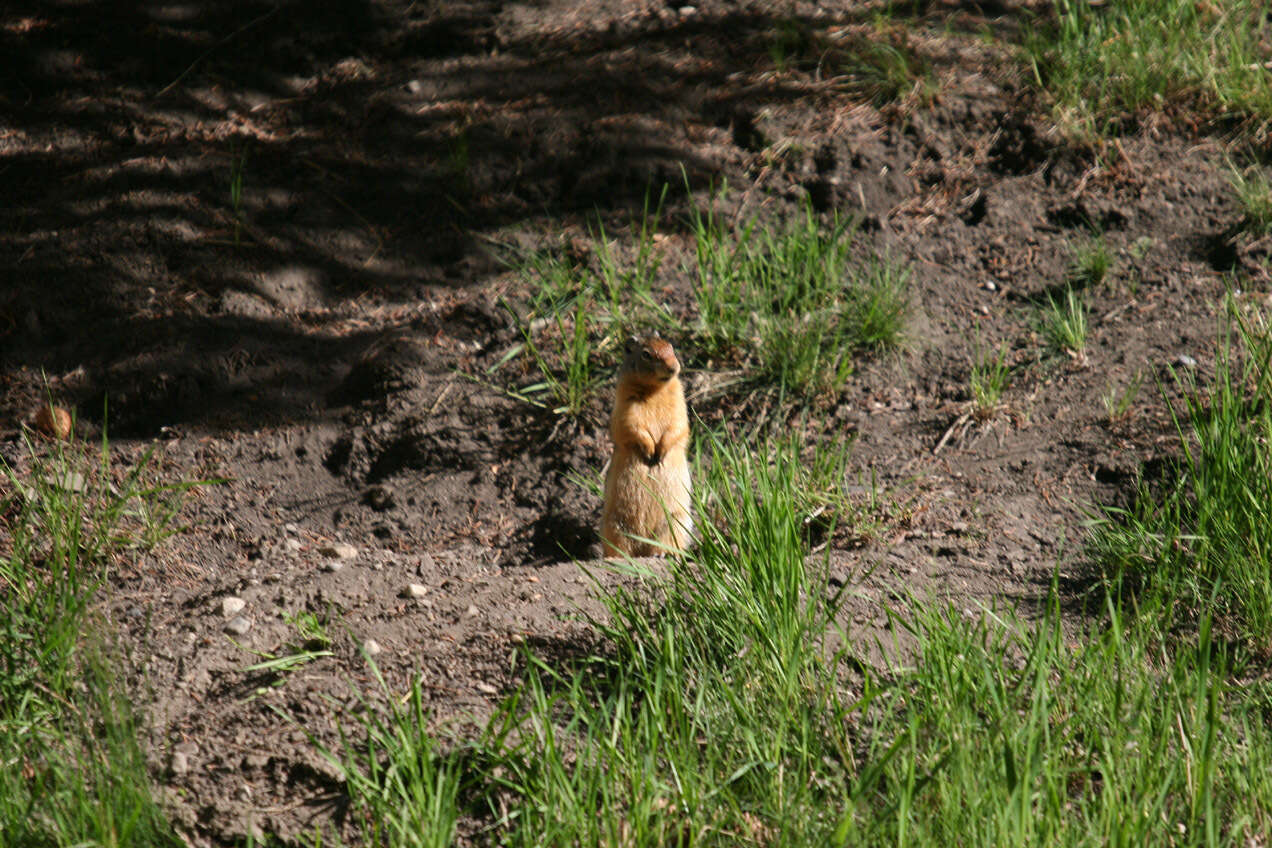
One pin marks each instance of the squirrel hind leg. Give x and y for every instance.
(614, 545)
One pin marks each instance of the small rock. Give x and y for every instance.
(990, 285)
(414, 590)
(238, 626)
(291, 528)
(255, 761)
(686, 11)
(179, 764)
(53, 421)
(332, 565)
(471, 611)
(1185, 361)
(427, 565)
(415, 86)
(486, 689)
(339, 550)
(71, 481)
(291, 545)
(372, 648)
(232, 606)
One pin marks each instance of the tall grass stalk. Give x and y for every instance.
(71, 769)
(1199, 542)
(1006, 734)
(403, 788)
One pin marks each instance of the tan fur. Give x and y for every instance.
(647, 487)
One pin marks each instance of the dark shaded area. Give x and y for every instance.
(190, 180)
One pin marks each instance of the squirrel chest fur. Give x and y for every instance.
(647, 507)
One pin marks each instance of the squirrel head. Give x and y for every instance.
(650, 357)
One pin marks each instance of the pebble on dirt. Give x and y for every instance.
(232, 606)
(339, 550)
(414, 590)
(372, 648)
(238, 626)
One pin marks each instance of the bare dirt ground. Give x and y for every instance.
(308, 344)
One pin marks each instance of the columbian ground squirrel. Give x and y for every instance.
(647, 487)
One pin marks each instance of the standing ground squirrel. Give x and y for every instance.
(647, 487)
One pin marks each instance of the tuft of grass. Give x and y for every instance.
(887, 70)
(882, 67)
(1064, 325)
(878, 303)
(1091, 263)
(999, 733)
(788, 301)
(613, 752)
(607, 302)
(1254, 193)
(1118, 402)
(403, 789)
(1101, 61)
(791, 302)
(989, 376)
(568, 378)
(310, 627)
(314, 643)
(625, 289)
(554, 283)
(73, 772)
(791, 42)
(1199, 543)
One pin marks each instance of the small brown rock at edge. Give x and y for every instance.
(53, 421)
